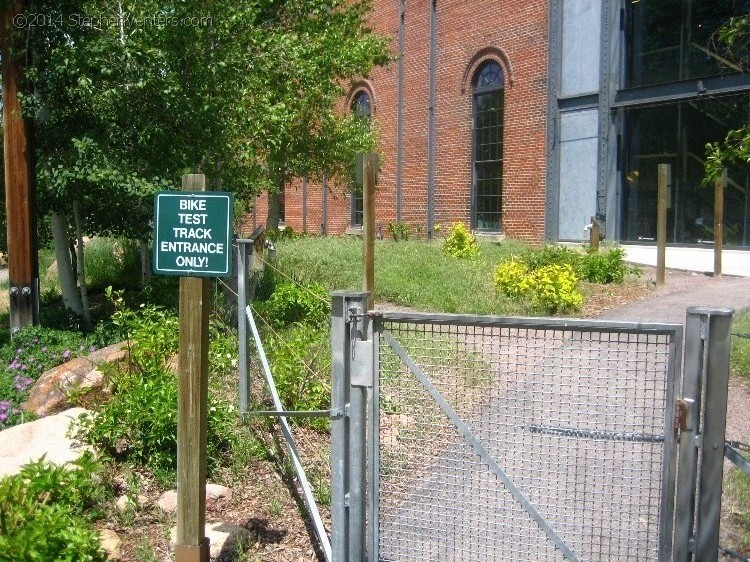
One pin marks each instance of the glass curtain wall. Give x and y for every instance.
(671, 41)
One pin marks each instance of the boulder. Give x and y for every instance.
(215, 492)
(46, 437)
(49, 393)
(224, 539)
(167, 502)
(111, 544)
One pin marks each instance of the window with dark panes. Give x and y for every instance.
(361, 108)
(673, 40)
(488, 97)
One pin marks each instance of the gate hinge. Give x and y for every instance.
(680, 416)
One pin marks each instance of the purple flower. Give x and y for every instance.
(3, 416)
(92, 349)
(19, 351)
(5, 404)
(66, 354)
(23, 367)
(36, 340)
(44, 349)
(31, 360)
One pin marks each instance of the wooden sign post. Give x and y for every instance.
(719, 221)
(369, 166)
(192, 239)
(664, 174)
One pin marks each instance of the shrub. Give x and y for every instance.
(110, 261)
(398, 230)
(45, 512)
(300, 361)
(604, 267)
(508, 277)
(139, 423)
(553, 288)
(461, 243)
(291, 303)
(552, 255)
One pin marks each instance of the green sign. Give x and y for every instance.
(193, 233)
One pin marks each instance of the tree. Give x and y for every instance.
(127, 98)
(732, 42)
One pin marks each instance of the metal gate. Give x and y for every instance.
(470, 438)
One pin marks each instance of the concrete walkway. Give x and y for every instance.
(733, 262)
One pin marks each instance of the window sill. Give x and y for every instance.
(353, 231)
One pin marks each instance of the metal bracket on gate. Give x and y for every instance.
(362, 373)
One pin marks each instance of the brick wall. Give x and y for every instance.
(468, 33)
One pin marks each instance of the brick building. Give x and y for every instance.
(462, 121)
(528, 118)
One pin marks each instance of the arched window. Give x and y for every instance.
(361, 107)
(488, 97)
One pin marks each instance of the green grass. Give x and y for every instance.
(740, 358)
(411, 273)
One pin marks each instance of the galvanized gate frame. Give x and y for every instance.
(691, 481)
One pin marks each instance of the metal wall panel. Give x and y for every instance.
(580, 47)
(578, 172)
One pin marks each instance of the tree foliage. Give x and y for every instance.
(126, 97)
(732, 42)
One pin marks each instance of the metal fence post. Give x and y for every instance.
(717, 324)
(242, 334)
(704, 397)
(348, 428)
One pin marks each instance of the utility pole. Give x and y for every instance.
(23, 267)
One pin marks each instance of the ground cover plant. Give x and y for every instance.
(47, 512)
(412, 273)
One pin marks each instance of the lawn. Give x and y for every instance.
(740, 358)
(410, 273)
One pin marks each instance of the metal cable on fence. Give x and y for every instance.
(285, 344)
(300, 285)
(744, 336)
(227, 287)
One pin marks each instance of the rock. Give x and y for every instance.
(126, 502)
(111, 544)
(215, 492)
(49, 393)
(167, 502)
(46, 437)
(224, 539)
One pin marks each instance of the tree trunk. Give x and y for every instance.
(145, 263)
(82, 267)
(71, 298)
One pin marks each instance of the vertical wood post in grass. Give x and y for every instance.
(369, 163)
(192, 545)
(719, 221)
(664, 173)
(596, 233)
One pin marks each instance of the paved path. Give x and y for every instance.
(682, 290)
(3, 274)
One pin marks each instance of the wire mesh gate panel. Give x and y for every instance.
(522, 439)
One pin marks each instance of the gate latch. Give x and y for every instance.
(680, 416)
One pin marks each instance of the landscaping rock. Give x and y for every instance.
(126, 502)
(46, 437)
(215, 492)
(224, 537)
(111, 544)
(49, 393)
(167, 502)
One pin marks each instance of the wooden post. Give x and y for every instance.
(192, 545)
(664, 174)
(19, 196)
(596, 233)
(369, 163)
(719, 221)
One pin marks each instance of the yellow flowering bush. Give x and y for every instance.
(553, 288)
(461, 243)
(508, 277)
